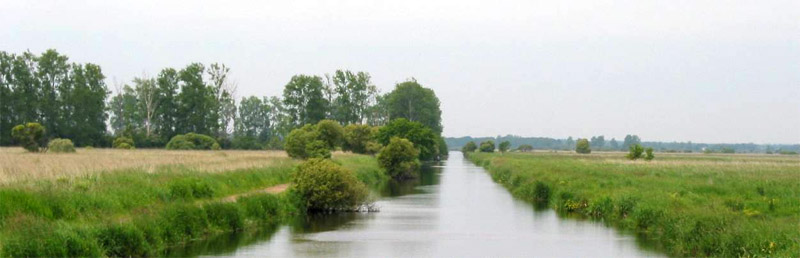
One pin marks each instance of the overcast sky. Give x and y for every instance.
(702, 71)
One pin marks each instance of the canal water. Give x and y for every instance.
(453, 210)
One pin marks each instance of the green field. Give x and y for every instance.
(683, 204)
(141, 211)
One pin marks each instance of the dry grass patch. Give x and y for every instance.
(18, 165)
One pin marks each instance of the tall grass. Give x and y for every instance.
(137, 212)
(689, 205)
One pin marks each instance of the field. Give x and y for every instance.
(138, 202)
(683, 204)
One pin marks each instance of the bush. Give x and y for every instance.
(58, 145)
(298, 139)
(190, 188)
(635, 152)
(330, 132)
(183, 222)
(192, 141)
(423, 138)
(525, 148)
(541, 192)
(246, 143)
(356, 138)
(123, 143)
(373, 147)
(326, 186)
(399, 158)
(649, 154)
(487, 146)
(582, 146)
(469, 147)
(28, 135)
(318, 149)
(504, 146)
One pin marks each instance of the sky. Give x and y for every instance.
(673, 70)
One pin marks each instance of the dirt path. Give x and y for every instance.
(270, 190)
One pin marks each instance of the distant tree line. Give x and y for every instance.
(72, 101)
(600, 143)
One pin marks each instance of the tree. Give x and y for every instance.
(55, 87)
(29, 136)
(598, 142)
(167, 111)
(411, 101)
(330, 132)
(87, 103)
(353, 93)
(650, 155)
(631, 140)
(469, 147)
(525, 148)
(304, 100)
(253, 119)
(487, 146)
(582, 146)
(614, 144)
(399, 158)
(148, 101)
(124, 111)
(570, 143)
(357, 137)
(504, 146)
(195, 110)
(424, 138)
(635, 151)
(223, 108)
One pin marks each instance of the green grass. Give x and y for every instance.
(138, 213)
(685, 204)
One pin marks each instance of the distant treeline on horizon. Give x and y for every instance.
(600, 143)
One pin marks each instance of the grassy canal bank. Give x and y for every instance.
(685, 204)
(130, 207)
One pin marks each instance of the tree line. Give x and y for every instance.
(72, 101)
(602, 144)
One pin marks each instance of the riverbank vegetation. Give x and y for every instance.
(137, 210)
(687, 204)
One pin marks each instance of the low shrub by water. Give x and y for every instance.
(60, 146)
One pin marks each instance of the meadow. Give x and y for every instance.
(101, 202)
(683, 204)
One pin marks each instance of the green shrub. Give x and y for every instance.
(58, 145)
(28, 135)
(318, 149)
(601, 207)
(649, 154)
(635, 152)
(226, 216)
(399, 159)
(487, 146)
(192, 141)
(246, 143)
(469, 147)
(123, 142)
(357, 137)
(582, 146)
(423, 138)
(123, 240)
(525, 148)
(298, 140)
(326, 186)
(504, 146)
(330, 132)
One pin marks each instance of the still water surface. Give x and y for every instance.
(453, 210)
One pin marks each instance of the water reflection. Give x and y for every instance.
(453, 210)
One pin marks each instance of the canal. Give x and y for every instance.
(453, 210)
